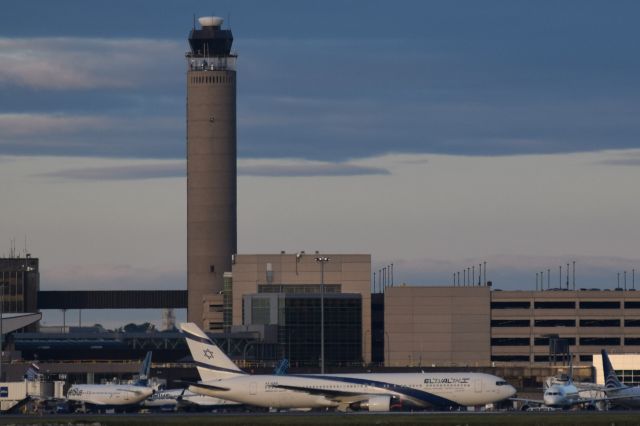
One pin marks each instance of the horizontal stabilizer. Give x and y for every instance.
(193, 385)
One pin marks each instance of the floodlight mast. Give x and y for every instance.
(322, 260)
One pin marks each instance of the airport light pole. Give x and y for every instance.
(322, 260)
(1, 324)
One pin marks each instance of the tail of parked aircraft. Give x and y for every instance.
(211, 362)
(610, 378)
(145, 369)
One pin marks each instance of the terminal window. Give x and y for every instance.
(510, 358)
(599, 323)
(600, 341)
(632, 323)
(510, 341)
(511, 305)
(510, 323)
(544, 341)
(555, 305)
(599, 305)
(260, 311)
(629, 377)
(299, 288)
(555, 323)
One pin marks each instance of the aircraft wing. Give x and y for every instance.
(136, 392)
(613, 398)
(528, 401)
(342, 397)
(594, 400)
(605, 390)
(330, 393)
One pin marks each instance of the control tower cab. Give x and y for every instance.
(211, 162)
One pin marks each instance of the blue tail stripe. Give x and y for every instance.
(197, 338)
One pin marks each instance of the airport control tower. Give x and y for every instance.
(211, 161)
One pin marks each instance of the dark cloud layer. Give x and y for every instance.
(178, 169)
(629, 161)
(441, 77)
(142, 171)
(310, 170)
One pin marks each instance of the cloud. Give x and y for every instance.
(65, 63)
(302, 168)
(437, 93)
(631, 159)
(265, 168)
(128, 172)
(108, 135)
(12, 125)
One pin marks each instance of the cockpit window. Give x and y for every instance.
(501, 383)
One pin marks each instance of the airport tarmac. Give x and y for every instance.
(573, 418)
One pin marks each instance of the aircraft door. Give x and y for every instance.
(253, 388)
(477, 386)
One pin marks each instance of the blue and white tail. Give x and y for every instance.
(145, 369)
(610, 378)
(211, 362)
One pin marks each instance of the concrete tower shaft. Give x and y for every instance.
(211, 162)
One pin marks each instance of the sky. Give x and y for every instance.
(434, 135)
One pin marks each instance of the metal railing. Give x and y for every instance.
(213, 63)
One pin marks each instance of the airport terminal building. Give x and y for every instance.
(478, 326)
(279, 295)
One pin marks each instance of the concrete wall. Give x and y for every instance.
(211, 183)
(437, 325)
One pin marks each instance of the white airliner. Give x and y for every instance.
(221, 378)
(174, 399)
(623, 395)
(102, 397)
(564, 394)
(559, 395)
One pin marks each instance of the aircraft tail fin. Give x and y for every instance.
(610, 378)
(211, 362)
(282, 367)
(145, 369)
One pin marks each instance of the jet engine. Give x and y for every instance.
(374, 403)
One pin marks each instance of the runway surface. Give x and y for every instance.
(584, 418)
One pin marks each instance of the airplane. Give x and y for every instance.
(114, 396)
(373, 391)
(625, 396)
(564, 394)
(174, 399)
